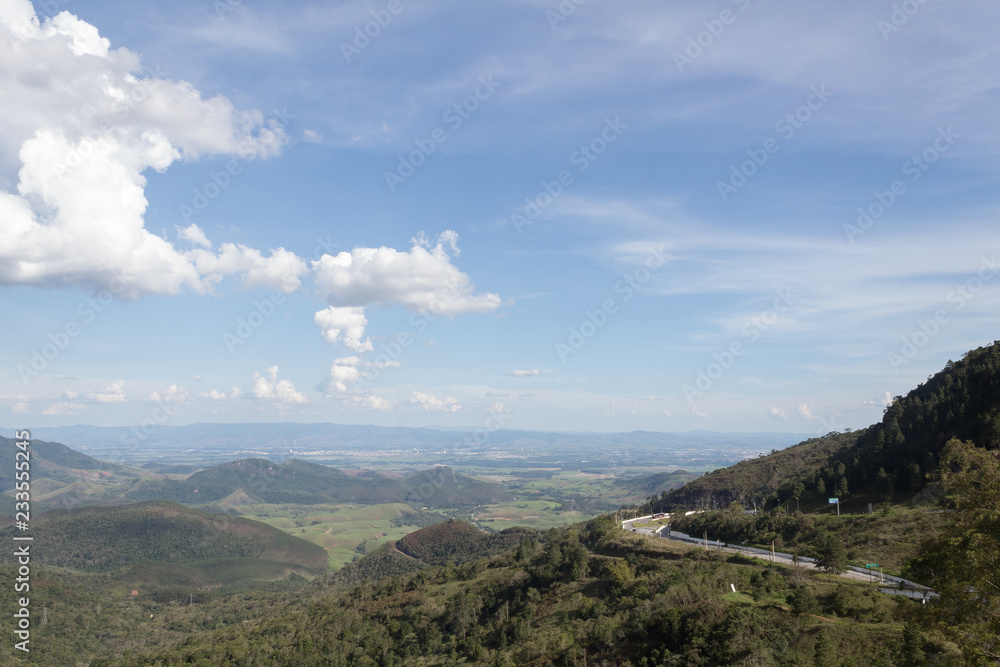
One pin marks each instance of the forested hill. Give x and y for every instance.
(100, 539)
(891, 458)
(49, 458)
(297, 481)
(897, 454)
(756, 482)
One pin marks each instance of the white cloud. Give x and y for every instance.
(422, 280)
(696, 412)
(371, 402)
(497, 408)
(312, 136)
(805, 412)
(113, 393)
(778, 413)
(346, 374)
(521, 374)
(82, 123)
(216, 395)
(268, 387)
(172, 395)
(194, 234)
(347, 324)
(19, 408)
(431, 403)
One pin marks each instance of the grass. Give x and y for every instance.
(339, 529)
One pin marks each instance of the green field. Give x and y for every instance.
(344, 531)
(544, 498)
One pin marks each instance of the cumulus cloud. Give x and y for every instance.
(778, 413)
(521, 374)
(172, 395)
(113, 393)
(344, 324)
(216, 395)
(805, 412)
(371, 402)
(194, 234)
(431, 403)
(82, 124)
(269, 387)
(347, 373)
(422, 280)
(312, 136)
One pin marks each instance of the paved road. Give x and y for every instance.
(894, 585)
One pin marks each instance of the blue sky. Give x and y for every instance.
(719, 215)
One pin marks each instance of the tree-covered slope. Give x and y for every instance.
(100, 539)
(893, 457)
(559, 599)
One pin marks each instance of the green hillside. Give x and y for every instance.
(892, 459)
(101, 539)
(561, 598)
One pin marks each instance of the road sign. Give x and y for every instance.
(872, 566)
(833, 500)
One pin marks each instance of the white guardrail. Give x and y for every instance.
(905, 587)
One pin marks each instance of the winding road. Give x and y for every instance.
(894, 585)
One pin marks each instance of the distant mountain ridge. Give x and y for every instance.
(302, 482)
(297, 437)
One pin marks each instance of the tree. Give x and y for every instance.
(797, 490)
(832, 556)
(913, 642)
(823, 653)
(803, 600)
(965, 561)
